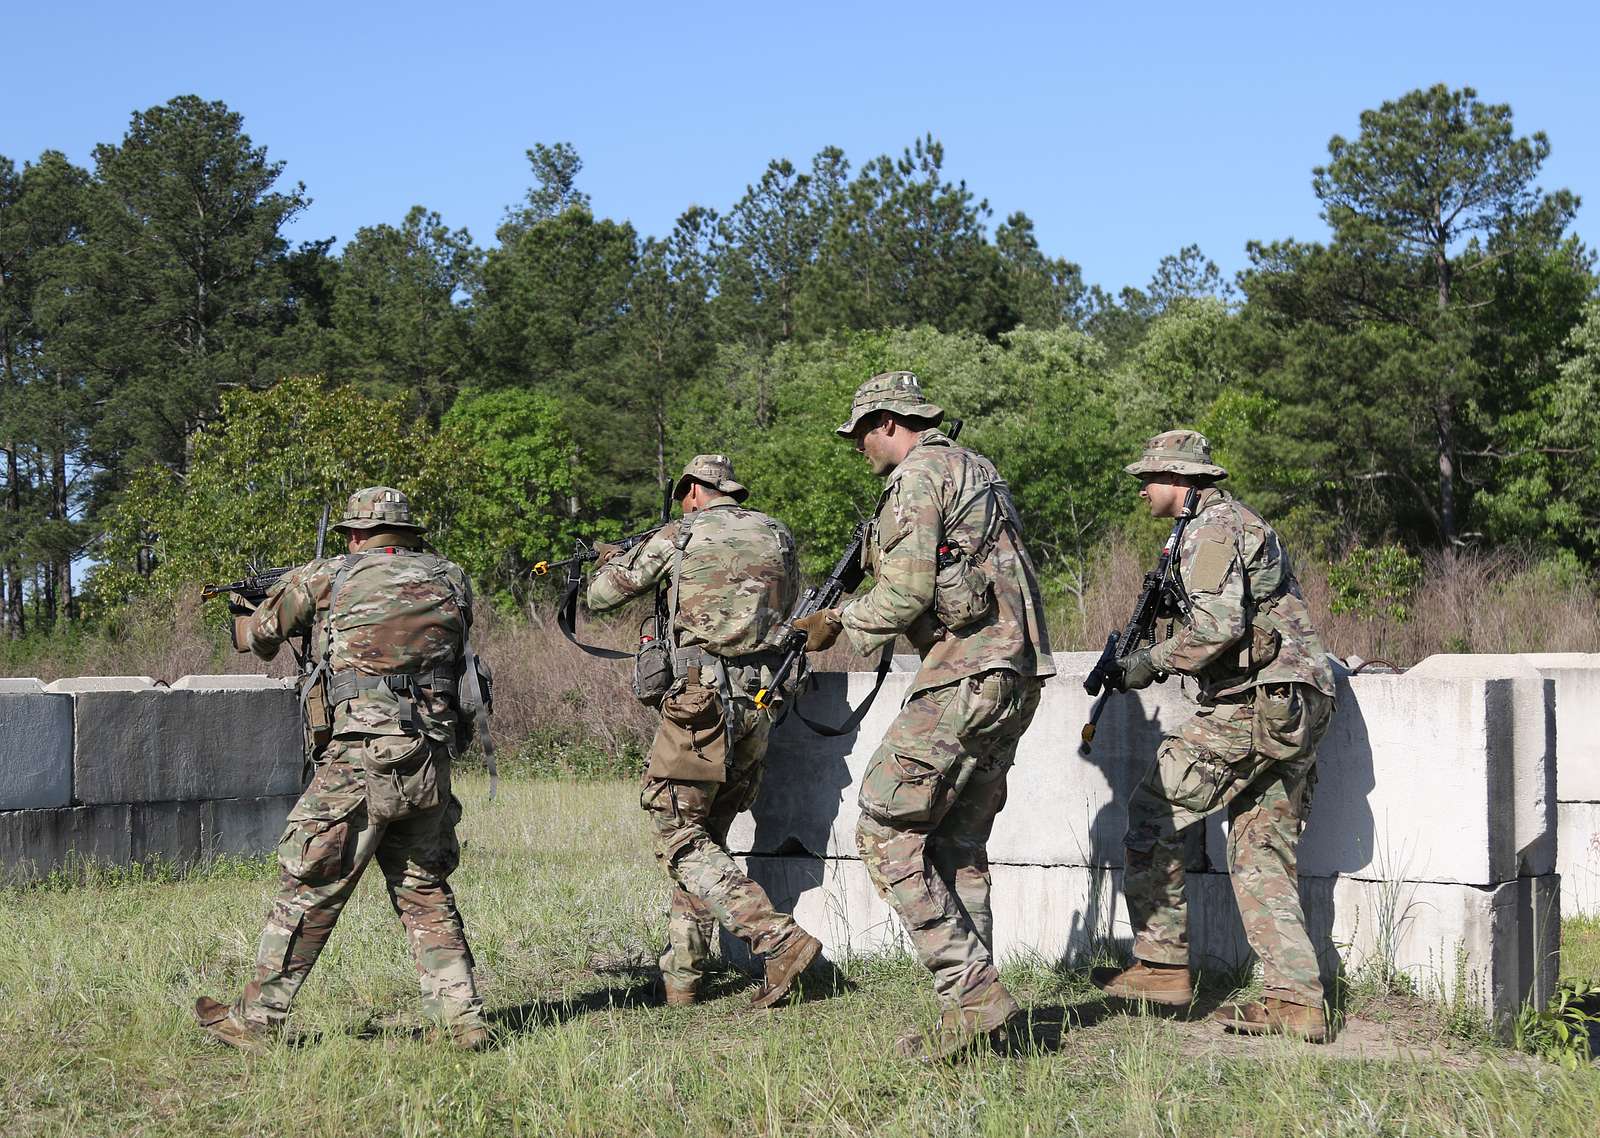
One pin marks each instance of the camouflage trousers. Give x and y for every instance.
(1256, 759)
(327, 845)
(928, 800)
(691, 821)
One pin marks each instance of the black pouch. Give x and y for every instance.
(652, 672)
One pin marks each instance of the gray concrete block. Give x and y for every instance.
(1578, 860)
(247, 681)
(11, 684)
(1493, 947)
(1577, 680)
(73, 684)
(35, 842)
(181, 745)
(1432, 777)
(35, 749)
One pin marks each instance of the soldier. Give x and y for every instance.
(951, 574)
(390, 622)
(1266, 694)
(732, 580)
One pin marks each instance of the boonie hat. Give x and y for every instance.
(897, 391)
(1177, 452)
(714, 470)
(377, 507)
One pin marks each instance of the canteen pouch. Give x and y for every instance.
(403, 776)
(963, 593)
(691, 745)
(652, 672)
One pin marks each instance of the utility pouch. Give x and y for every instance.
(403, 776)
(963, 593)
(318, 714)
(1263, 649)
(691, 744)
(652, 672)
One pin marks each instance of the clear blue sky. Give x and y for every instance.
(1124, 133)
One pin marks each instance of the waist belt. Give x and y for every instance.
(344, 686)
(697, 657)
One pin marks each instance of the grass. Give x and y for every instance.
(565, 908)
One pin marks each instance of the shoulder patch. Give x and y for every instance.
(1209, 566)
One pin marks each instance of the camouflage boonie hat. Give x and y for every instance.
(1177, 452)
(896, 391)
(377, 507)
(715, 470)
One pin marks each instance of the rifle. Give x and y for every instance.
(254, 588)
(1140, 625)
(583, 553)
(845, 577)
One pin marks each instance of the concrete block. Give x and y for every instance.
(35, 842)
(74, 684)
(178, 745)
(1494, 947)
(1578, 857)
(247, 681)
(35, 748)
(1442, 777)
(11, 684)
(1577, 680)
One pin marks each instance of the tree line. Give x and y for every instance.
(181, 388)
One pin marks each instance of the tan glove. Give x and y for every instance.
(241, 633)
(822, 628)
(605, 551)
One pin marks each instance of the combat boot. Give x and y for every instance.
(679, 995)
(1273, 1016)
(981, 1020)
(218, 1022)
(1155, 983)
(784, 968)
(471, 1037)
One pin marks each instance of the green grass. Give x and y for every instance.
(565, 905)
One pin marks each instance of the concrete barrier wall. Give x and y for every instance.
(119, 769)
(1431, 850)
(1577, 679)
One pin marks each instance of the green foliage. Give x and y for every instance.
(1566, 1029)
(1376, 583)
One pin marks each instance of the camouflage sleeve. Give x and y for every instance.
(634, 572)
(1214, 579)
(907, 538)
(289, 608)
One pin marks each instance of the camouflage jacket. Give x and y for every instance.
(736, 585)
(937, 495)
(1242, 597)
(401, 609)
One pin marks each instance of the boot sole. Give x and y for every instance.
(769, 996)
(1247, 1027)
(1173, 1000)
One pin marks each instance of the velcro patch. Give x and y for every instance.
(1208, 569)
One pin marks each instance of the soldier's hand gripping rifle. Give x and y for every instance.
(252, 590)
(1106, 674)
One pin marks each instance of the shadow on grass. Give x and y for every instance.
(643, 993)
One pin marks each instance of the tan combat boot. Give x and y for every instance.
(1155, 983)
(219, 1023)
(784, 968)
(471, 1037)
(1273, 1016)
(679, 995)
(982, 1019)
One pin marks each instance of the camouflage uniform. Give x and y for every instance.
(933, 787)
(393, 645)
(1266, 694)
(733, 572)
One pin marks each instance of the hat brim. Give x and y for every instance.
(910, 410)
(1175, 466)
(728, 486)
(347, 524)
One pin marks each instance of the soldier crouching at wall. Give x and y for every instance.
(732, 579)
(390, 621)
(1266, 696)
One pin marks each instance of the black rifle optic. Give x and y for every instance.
(845, 577)
(1140, 626)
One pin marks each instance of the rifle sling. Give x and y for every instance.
(859, 713)
(567, 622)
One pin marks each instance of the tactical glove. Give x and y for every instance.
(605, 551)
(822, 628)
(1138, 671)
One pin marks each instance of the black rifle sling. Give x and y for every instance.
(859, 713)
(567, 622)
